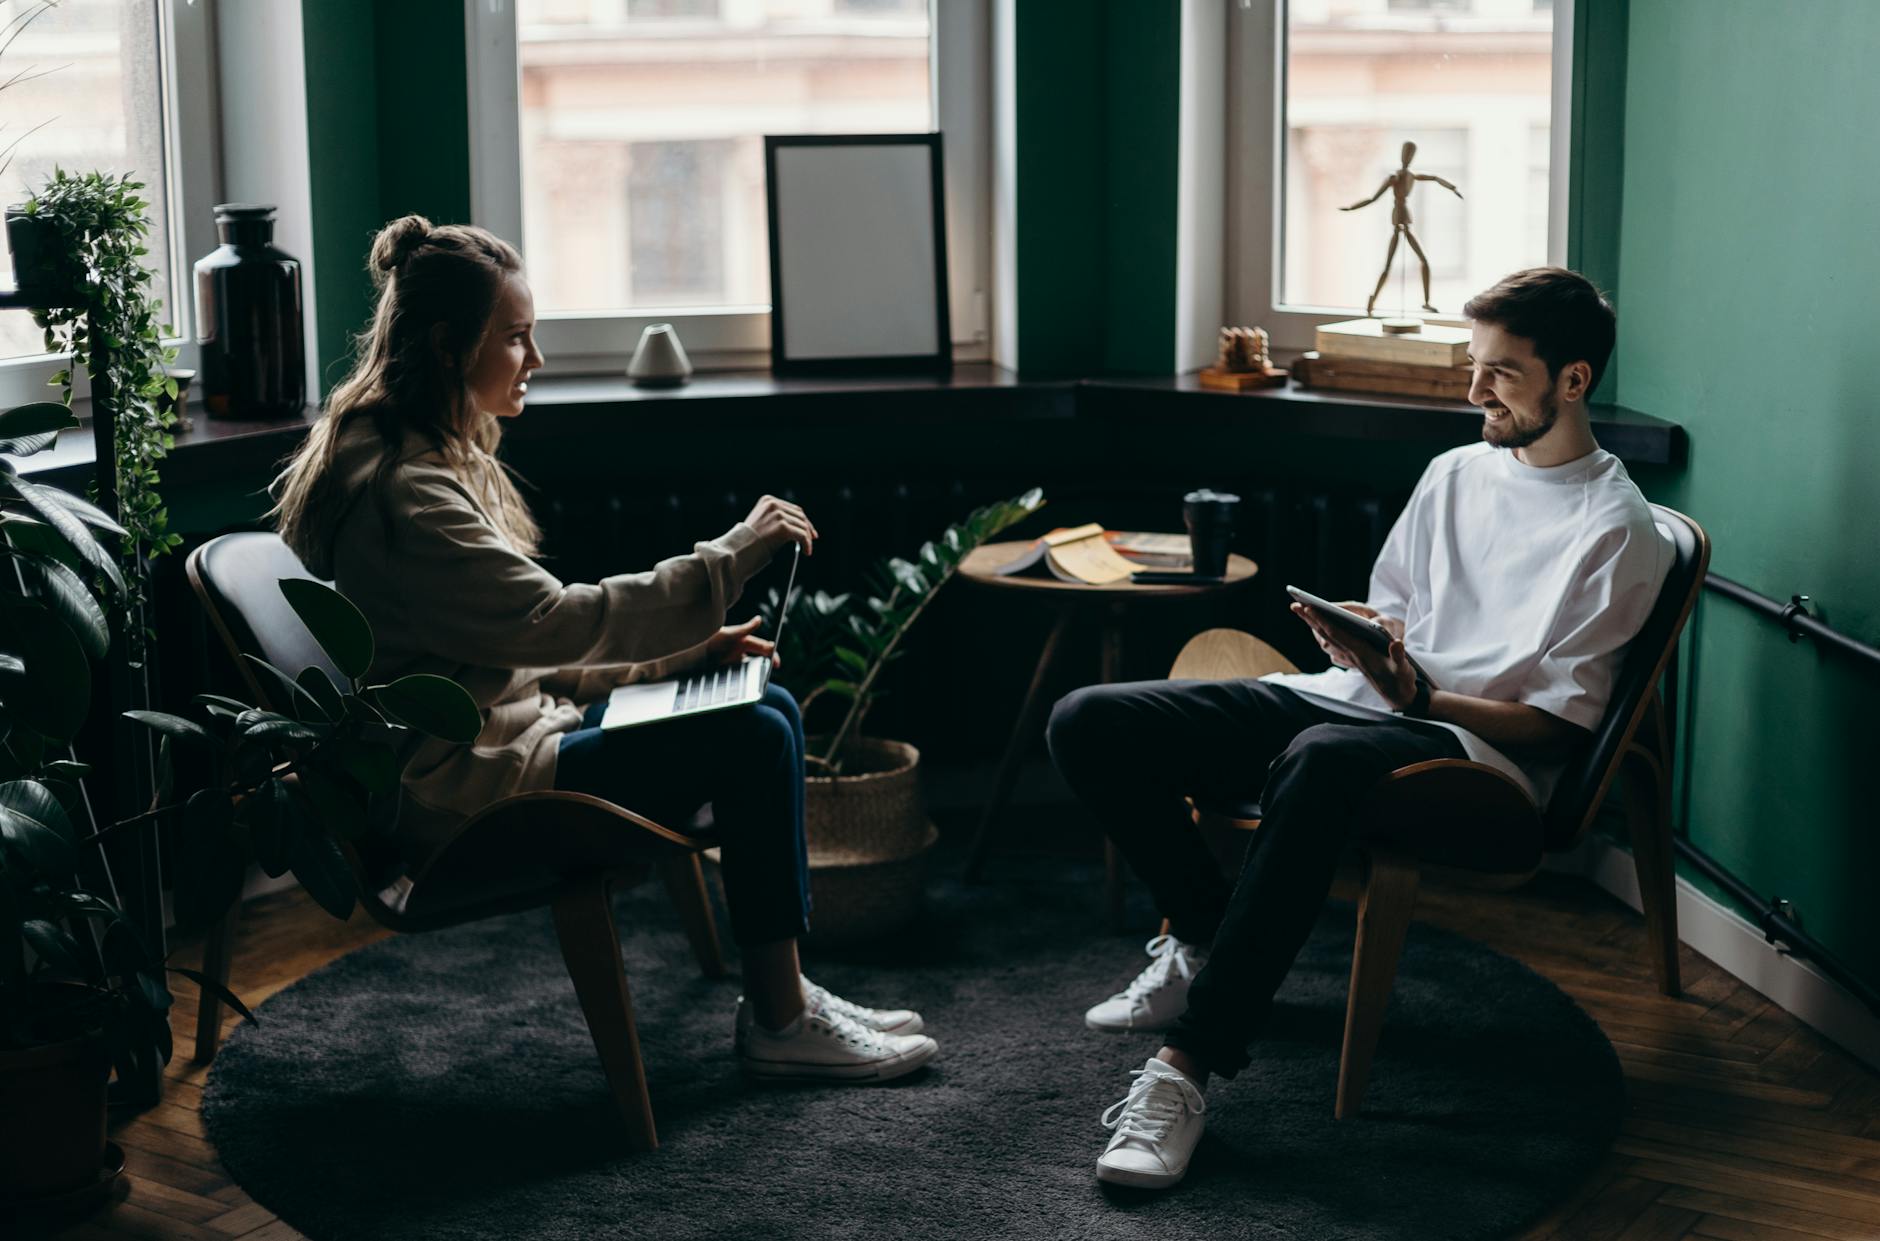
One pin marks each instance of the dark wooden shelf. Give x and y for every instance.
(586, 409)
(1626, 433)
(211, 448)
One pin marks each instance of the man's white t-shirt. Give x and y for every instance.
(1516, 583)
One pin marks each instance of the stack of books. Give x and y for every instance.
(1358, 355)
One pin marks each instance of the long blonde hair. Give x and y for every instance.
(448, 275)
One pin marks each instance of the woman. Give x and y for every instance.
(397, 496)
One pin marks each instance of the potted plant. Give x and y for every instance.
(80, 989)
(868, 832)
(32, 240)
(96, 227)
(83, 238)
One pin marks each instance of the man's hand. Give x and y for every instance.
(734, 642)
(1365, 610)
(779, 523)
(1390, 673)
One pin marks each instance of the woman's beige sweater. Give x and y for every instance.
(447, 594)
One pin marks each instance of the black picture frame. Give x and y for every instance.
(821, 358)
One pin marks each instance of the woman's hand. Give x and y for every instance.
(734, 642)
(779, 523)
(1390, 672)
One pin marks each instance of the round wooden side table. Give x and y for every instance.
(1109, 605)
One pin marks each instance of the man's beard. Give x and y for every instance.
(1514, 435)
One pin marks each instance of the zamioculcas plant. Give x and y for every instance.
(842, 645)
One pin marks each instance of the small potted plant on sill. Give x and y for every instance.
(868, 831)
(93, 229)
(33, 243)
(80, 989)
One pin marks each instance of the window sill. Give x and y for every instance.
(1626, 433)
(210, 448)
(587, 409)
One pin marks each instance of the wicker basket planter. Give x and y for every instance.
(868, 841)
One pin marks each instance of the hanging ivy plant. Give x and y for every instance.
(102, 227)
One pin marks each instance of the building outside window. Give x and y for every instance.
(676, 223)
(85, 94)
(1471, 82)
(642, 125)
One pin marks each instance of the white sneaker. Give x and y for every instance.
(884, 1020)
(824, 1045)
(1157, 1125)
(1159, 994)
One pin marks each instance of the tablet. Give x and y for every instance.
(1345, 621)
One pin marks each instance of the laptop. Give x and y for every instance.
(711, 689)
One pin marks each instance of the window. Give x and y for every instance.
(93, 86)
(634, 129)
(679, 224)
(1472, 83)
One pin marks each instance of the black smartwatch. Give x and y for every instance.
(1418, 708)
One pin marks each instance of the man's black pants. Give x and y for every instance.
(1132, 752)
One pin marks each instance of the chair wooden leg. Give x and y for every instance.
(216, 955)
(1390, 893)
(685, 884)
(590, 947)
(1648, 814)
(1024, 730)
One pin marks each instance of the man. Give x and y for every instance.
(1515, 576)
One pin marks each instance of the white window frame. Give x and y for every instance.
(192, 176)
(1257, 74)
(738, 337)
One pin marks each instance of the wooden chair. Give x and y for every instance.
(578, 847)
(1632, 738)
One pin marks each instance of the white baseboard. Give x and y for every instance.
(1725, 937)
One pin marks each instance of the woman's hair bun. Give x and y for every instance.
(395, 243)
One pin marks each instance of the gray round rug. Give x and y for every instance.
(444, 1086)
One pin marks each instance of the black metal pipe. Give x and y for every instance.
(1777, 926)
(1771, 919)
(1794, 617)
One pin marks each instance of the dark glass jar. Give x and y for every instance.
(248, 320)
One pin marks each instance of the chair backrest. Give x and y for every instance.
(237, 577)
(1224, 654)
(1590, 773)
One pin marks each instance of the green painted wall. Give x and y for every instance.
(422, 70)
(1747, 269)
(1097, 111)
(343, 152)
(1596, 165)
(389, 133)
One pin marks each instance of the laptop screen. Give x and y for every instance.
(783, 612)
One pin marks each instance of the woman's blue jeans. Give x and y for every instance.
(748, 763)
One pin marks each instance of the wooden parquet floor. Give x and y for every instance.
(1745, 1125)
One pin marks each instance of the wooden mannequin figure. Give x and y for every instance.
(1400, 183)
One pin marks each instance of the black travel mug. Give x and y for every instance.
(1210, 518)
